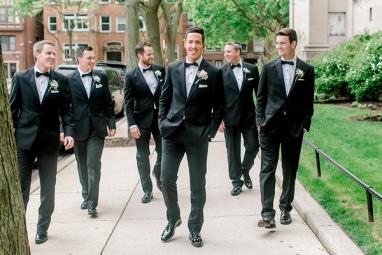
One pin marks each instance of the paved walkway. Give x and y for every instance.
(126, 226)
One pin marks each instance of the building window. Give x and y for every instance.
(142, 24)
(105, 24)
(6, 15)
(52, 23)
(114, 51)
(258, 44)
(209, 49)
(119, 1)
(371, 14)
(243, 47)
(104, 1)
(336, 24)
(75, 22)
(218, 63)
(8, 42)
(10, 69)
(67, 55)
(121, 23)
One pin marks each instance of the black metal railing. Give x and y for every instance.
(370, 192)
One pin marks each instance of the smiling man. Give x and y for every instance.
(283, 113)
(39, 96)
(94, 119)
(190, 111)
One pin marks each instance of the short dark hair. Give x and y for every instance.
(140, 47)
(198, 30)
(80, 51)
(290, 32)
(235, 45)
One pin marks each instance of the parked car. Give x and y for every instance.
(120, 67)
(115, 84)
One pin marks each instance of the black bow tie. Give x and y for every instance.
(148, 69)
(237, 65)
(285, 62)
(86, 74)
(186, 64)
(38, 74)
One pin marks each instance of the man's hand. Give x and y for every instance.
(258, 129)
(305, 130)
(135, 132)
(112, 132)
(221, 127)
(62, 136)
(68, 142)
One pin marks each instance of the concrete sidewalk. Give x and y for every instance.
(126, 226)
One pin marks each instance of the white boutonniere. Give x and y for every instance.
(299, 73)
(96, 79)
(202, 75)
(246, 70)
(53, 84)
(158, 73)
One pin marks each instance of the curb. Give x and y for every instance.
(332, 237)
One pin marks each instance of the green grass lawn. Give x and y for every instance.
(358, 147)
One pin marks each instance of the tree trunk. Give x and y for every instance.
(151, 8)
(171, 13)
(13, 234)
(132, 32)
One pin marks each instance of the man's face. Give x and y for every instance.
(87, 61)
(284, 47)
(194, 46)
(46, 59)
(232, 56)
(147, 58)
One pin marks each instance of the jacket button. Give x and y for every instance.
(184, 117)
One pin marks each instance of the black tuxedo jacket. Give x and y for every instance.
(239, 104)
(93, 114)
(139, 101)
(201, 111)
(273, 103)
(33, 120)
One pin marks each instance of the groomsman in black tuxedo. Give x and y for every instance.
(240, 80)
(39, 96)
(283, 113)
(190, 111)
(94, 119)
(142, 91)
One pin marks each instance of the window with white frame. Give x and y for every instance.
(8, 42)
(119, 1)
(142, 24)
(104, 1)
(52, 23)
(258, 44)
(243, 47)
(6, 15)
(10, 69)
(105, 23)
(120, 23)
(75, 46)
(76, 22)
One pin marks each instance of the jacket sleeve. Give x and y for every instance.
(309, 100)
(261, 97)
(217, 103)
(129, 95)
(15, 99)
(166, 96)
(109, 106)
(66, 108)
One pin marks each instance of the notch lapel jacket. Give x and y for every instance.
(239, 104)
(273, 102)
(33, 120)
(201, 111)
(93, 113)
(139, 100)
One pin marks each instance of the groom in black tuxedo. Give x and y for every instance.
(240, 80)
(142, 90)
(94, 119)
(38, 98)
(283, 113)
(190, 111)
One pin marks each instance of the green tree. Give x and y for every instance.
(240, 20)
(13, 233)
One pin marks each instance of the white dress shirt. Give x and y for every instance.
(191, 73)
(86, 81)
(150, 78)
(41, 84)
(239, 75)
(288, 73)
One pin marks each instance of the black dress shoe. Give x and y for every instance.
(267, 222)
(169, 230)
(92, 211)
(285, 218)
(247, 179)
(196, 239)
(235, 191)
(84, 205)
(41, 237)
(147, 197)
